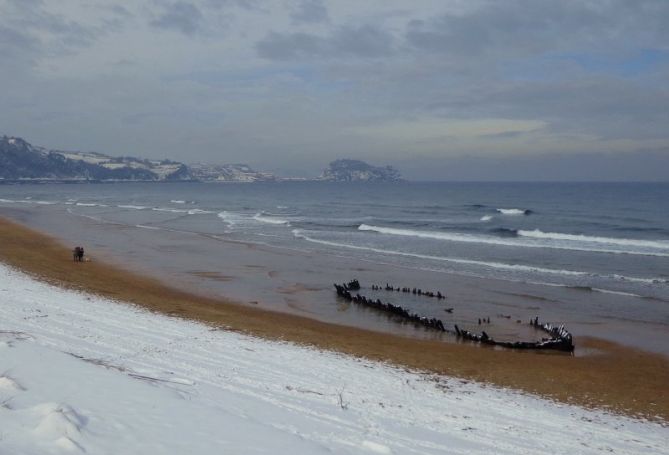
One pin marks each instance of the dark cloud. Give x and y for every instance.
(181, 16)
(365, 41)
(310, 11)
(522, 27)
(17, 49)
(28, 32)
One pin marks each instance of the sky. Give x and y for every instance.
(442, 90)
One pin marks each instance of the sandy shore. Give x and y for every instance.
(613, 376)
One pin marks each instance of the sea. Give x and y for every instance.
(593, 255)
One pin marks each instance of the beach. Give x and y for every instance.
(596, 265)
(317, 226)
(80, 373)
(610, 376)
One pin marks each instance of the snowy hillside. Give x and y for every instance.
(22, 161)
(81, 374)
(164, 170)
(228, 173)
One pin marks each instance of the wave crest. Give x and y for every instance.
(539, 239)
(515, 211)
(269, 220)
(537, 234)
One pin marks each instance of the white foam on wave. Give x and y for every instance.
(299, 233)
(199, 212)
(453, 237)
(94, 218)
(28, 200)
(89, 204)
(538, 239)
(270, 220)
(230, 218)
(143, 226)
(608, 291)
(642, 280)
(498, 265)
(486, 218)
(162, 209)
(132, 207)
(177, 201)
(513, 211)
(537, 234)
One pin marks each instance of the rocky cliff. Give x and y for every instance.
(358, 171)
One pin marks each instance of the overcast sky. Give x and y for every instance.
(462, 89)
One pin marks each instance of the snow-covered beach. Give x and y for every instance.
(80, 373)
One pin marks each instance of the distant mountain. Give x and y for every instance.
(228, 173)
(21, 161)
(358, 171)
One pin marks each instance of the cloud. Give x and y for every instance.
(310, 11)
(30, 31)
(364, 41)
(530, 27)
(298, 83)
(426, 129)
(181, 16)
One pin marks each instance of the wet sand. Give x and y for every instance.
(197, 254)
(612, 376)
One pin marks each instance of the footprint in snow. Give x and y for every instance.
(8, 384)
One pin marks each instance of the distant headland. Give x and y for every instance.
(21, 161)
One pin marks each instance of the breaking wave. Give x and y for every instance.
(269, 220)
(514, 211)
(537, 234)
(153, 228)
(27, 200)
(229, 218)
(162, 209)
(299, 233)
(539, 239)
(89, 204)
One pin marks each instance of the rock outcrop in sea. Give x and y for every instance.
(347, 170)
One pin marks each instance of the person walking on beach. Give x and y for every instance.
(78, 254)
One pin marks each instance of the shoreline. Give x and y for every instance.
(614, 377)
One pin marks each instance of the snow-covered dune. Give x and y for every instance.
(79, 373)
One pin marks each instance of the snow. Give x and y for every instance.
(86, 157)
(83, 374)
